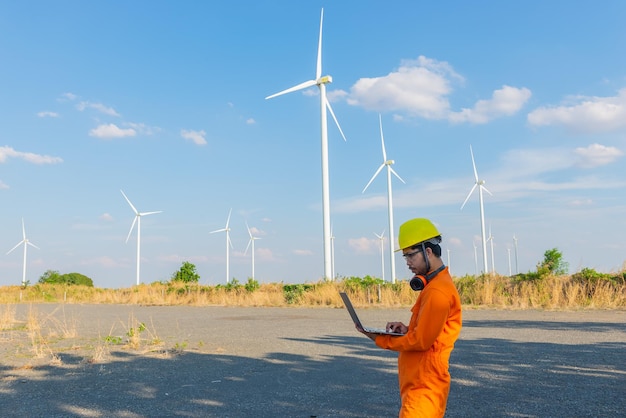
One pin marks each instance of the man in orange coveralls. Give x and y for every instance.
(428, 340)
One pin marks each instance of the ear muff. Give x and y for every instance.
(419, 282)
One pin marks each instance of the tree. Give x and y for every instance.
(186, 274)
(50, 276)
(552, 263)
(54, 277)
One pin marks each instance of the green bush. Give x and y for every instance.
(54, 277)
(186, 274)
(292, 292)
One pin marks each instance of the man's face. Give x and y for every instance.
(415, 260)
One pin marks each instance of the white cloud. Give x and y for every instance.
(363, 245)
(106, 217)
(302, 252)
(47, 114)
(419, 87)
(111, 131)
(250, 121)
(3, 185)
(67, 97)
(143, 129)
(504, 102)
(585, 114)
(97, 106)
(8, 152)
(197, 137)
(596, 155)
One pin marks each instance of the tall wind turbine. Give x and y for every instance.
(251, 243)
(387, 163)
(229, 244)
(332, 254)
(481, 186)
(137, 220)
(26, 243)
(321, 82)
(381, 237)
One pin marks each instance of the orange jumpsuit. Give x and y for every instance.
(425, 349)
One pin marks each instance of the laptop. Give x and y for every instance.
(357, 321)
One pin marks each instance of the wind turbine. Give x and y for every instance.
(137, 220)
(481, 186)
(387, 163)
(229, 244)
(381, 237)
(251, 243)
(321, 82)
(475, 260)
(516, 267)
(332, 254)
(26, 243)
(493, 265)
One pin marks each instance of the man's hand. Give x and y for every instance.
(398, 327)
(367, 334)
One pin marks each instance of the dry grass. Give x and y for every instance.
(558, 292)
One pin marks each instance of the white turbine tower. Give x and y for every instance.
(229, 245)
(481, 186)
(493, 263)
(251, 243)
(387, 163)
(332, 254)
(516, 265)
(26, 243)
(381, 237)
(137, 220)
(321, 82)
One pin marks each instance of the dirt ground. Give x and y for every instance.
(299, 362)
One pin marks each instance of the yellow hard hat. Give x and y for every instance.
(415, 231)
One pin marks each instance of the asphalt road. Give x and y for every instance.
(301, 362)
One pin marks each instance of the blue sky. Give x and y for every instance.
(166, 101)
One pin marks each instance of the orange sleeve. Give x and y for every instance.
(425, 325)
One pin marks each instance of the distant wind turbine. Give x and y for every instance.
(251, 243)
(137, 220)
(516, 266)
(481, 186)
(508, 250)
(229, 244)
(321, 82)
(381, 237)
(387, 163)
(490, 239)
(26, 243)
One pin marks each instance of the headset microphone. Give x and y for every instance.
(419, 282)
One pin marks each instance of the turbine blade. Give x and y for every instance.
(330, 109)
(128, 200)
(373, 177)
(23, 229)
(228, 219)
(474, 165)
(247, 246)
(396, 174)
(229, 241)
(131, 228)
(218, 230)
(149, 213)
(300, 86)
(18, 244)
(248, 228)
(318, 69)
(468, 196)
(382, 138)
(485, 189)
(32, 245)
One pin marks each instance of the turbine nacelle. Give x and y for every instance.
(327, 79)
